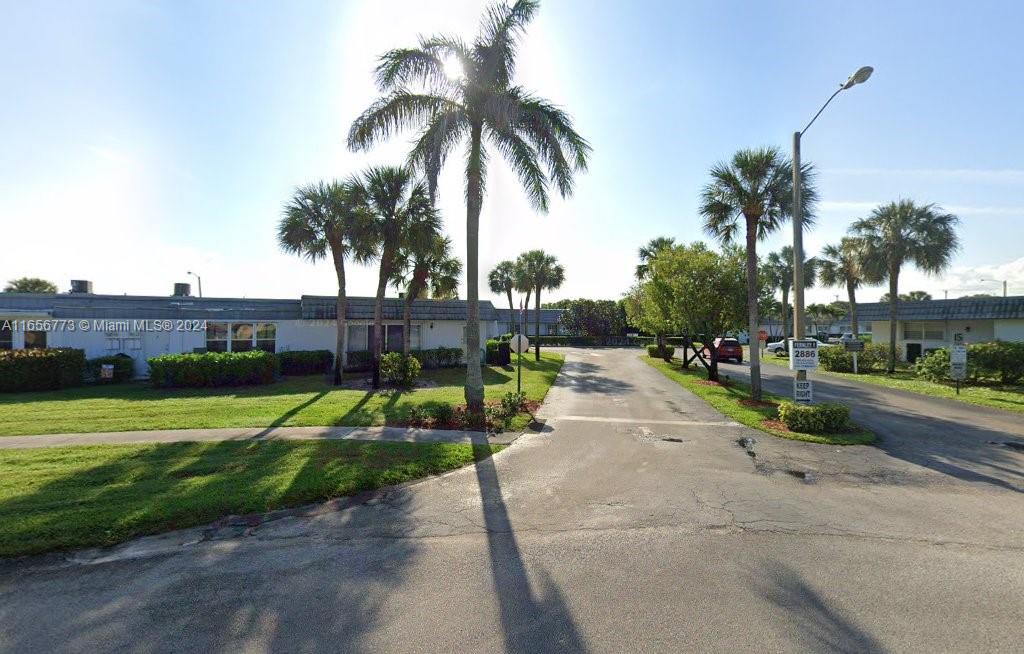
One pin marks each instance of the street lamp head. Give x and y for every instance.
(861, 76)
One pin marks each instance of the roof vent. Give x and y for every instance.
(81, 286)
(182, 289)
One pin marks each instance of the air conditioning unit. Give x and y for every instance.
(81, 286)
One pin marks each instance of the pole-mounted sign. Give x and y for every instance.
(803, 354)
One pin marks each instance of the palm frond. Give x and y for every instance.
(431, 149)
(401, 67)
(397, 111)
(501, 28)
(522, 158)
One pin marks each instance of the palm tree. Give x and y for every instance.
(426, 267)
(401, 217)
(904, 232)
(779, 268)
(480, 107)
(544, 273)
(648, 252)
(326, 219)
(30, 285)
(502, 279)
(841, 266)
(757, 186)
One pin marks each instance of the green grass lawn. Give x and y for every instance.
(70, 497)
(1010, 398)
(727, 399)
(294, 401)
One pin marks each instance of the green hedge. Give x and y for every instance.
(550, 341)
(40, 370)
(498, 353)
(874, 357)
(439, 357)
(998, 361)
(814, 418)
(213, 369)
(666, 352)
(305, 362)
(124, 368)
(399, 370)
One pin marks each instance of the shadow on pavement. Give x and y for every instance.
(813, 621)
(588, 378)
(538, 621)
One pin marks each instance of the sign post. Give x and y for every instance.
(803, 355)
(958, 360)
(520, 344)
(854, 347)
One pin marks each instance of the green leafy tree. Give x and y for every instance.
(401, 217)
(903, 232)
(326, 220)
(30, 285)
(841, 265)
(779, 270)
(602, 320)
(503, 279)
(707, 292)
(543, 273)
(482, 108)
(912, 296)
(426, 267)
(753, 193)
(648, 252)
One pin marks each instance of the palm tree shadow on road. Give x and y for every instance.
(531, 621)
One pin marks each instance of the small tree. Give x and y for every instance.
(30, 285)
(707, 292)
(601, 320)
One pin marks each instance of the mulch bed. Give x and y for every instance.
(777, 425)
(708, 382)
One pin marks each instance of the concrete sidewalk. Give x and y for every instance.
(397, 434)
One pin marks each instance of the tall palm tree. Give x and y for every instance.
(327, 219)
(903, 232)
(779, 267)
(842, 266)
(544, 273)
(426, 267)
(402, 216)
(648, 252)
(754, 191)
(502, 279)
(480, 108)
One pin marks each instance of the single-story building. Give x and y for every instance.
(932, 324)
(550, 321)
(147, 326)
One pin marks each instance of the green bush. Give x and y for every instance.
(213, 369)
(359, 361)
(124, 368)
(443, 414)
(551, 340)
(498, 353)
(874, 357)
(814, 418)
(666, 352)
(933, 366)
(399, 370)
(305, 362)
(512, 403)
(998, 361)
(439, 357)
(40, 370)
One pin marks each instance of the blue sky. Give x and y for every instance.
(146, 139)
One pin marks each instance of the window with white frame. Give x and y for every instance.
(266, 336)
(357, 335)
(241, 337)
(216, 337)
(923, 331)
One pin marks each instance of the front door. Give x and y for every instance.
(913, 352)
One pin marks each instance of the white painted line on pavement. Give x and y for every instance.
(644, 421)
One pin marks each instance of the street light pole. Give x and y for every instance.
(858, 77)
(199, 282)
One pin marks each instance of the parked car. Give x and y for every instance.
(781, 347)
(728, 349)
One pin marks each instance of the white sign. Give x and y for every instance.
(803, 354)
(803, 391)
(519, 344)
(958, 362)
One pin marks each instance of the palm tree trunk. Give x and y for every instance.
(341, 342)
(536, 326)
(851, 291)
(752, 288)
(474, 203)
(378, 314)
(511, 313)
(407, 324)
(785, 312)
(894, 275)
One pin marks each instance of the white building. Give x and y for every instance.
(932, 324)
(147, 326)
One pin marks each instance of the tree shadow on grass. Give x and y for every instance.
(532, 619)
(288, 415)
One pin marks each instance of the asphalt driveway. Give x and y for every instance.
(630, 522)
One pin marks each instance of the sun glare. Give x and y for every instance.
(453, 69)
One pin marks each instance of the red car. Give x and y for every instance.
(728, 349)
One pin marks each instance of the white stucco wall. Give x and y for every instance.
(1009, 330)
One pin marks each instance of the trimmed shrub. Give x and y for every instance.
(998, 361)
(933, 366)
(359, 361)
(814, 418)
(512, 403)
(399, 370)
(124, 368)
(550, 341)
(213, 369)
(498, 353)
(40, 370)
(305, 362)
(837, 359)
(439, 357)
(666, 352)
(443, 414)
